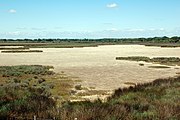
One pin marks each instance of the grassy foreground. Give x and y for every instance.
(25, 92)
(159, 100)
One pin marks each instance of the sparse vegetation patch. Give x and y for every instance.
(159, 60)
(158, 67)
(21, 51)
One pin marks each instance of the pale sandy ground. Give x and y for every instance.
(96, 66)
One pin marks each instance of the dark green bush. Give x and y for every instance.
(24, 100)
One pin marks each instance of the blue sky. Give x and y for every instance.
(89, 18)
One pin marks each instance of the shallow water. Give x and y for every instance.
(96, 66)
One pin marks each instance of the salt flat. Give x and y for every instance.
(97, 66)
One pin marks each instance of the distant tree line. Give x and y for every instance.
(164, 39)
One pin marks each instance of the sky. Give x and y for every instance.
(89, 18)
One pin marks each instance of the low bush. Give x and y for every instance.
(23, 101)
(22, 95)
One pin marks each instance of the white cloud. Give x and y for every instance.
(162, 29)
(112, 5)
(12, 11)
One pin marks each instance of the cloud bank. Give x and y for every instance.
(108, 33)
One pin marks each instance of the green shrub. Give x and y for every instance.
(17, 71)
